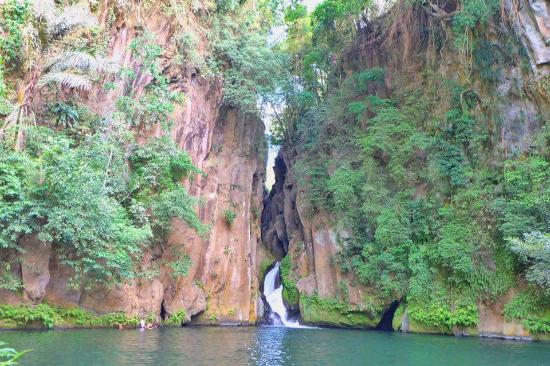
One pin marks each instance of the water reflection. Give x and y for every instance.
(267, 346)
(271, 346)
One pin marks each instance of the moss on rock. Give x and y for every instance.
(398, 318)
(330, 312)
(291, 296)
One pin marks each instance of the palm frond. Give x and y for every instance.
(66, 79)
(82, 61)
(11, 120)
(71, 17)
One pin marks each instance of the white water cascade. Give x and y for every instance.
(274, 297)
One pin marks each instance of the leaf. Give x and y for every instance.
(66, 79)
(82, 61)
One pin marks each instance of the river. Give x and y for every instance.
(266, 346)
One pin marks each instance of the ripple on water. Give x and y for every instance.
(266, 346)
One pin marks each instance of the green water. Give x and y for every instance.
(266, 346)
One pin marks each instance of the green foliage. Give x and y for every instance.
(229, 215)
(442, 317)
(364, 79)
(525, 205)
(531, 308)
(5, 106)
(23, 315)
(343, 186)
(9, 356)
(66, 114)
(86, 198)
(264, 265)
(187, 43)
(522, 306)
(159, 164)
(14, 16)
(50, 317)
(157, 102)
(534, 250)
(7, 279)
(177, 319)
(473, 13)
(332, 312)
(290, 291)
(295, 12)
(334, 19)
(181, 266)
(176, 203)
(327, 304)
(80, 317)
(427, 215)
(250, 67)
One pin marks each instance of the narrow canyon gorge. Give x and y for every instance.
(398, 183)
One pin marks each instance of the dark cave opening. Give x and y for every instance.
(162, 311)
(386, 323)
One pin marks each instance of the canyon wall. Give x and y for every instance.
(229, 147)
(332, 295)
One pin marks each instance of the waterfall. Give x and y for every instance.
(274, 297)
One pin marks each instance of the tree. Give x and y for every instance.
(534, 251)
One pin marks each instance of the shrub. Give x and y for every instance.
(441, 316)
(529, 307)
(229, 216)
(534, 250)
(290, 291)
(177, 319)
(50, 317)
(181, 266)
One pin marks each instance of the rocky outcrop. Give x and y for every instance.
(531, 21)
(223, 277)
(274, 234)
(328, 296)
(35, 261)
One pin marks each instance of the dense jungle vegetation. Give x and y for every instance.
(441, 213)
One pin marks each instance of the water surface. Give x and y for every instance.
(265, 346)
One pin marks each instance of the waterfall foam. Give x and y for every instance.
(274, 297)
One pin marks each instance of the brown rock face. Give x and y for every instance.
(532, 23)
(223, 276)
(313, 241)
(492, 321)
(35, 272)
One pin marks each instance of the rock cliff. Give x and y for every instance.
(312, 238)
(227, 144)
